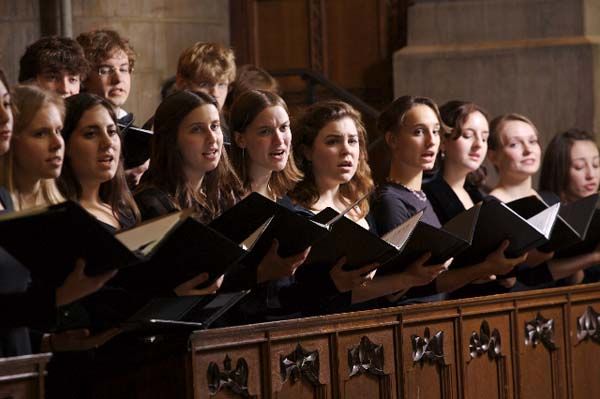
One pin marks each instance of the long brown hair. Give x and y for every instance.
(243, 112)
(113, 192)
(221, 187)
(305, 132)
(557, 160)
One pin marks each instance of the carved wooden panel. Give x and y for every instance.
(425, 377)
(301, 369)
(542, 355)
(366, 364)
(228, 373)
(487, 358)
(585, 351)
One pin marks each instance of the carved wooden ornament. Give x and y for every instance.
(539, 330)
(300, 363)
(484, 342)
(587, 326)
(235, 380)
(428, 348)
(365, 357)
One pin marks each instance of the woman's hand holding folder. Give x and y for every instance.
(188, 288)
(78, 285)
(348, 280)
(273, 267)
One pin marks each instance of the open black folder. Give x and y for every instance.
(357, 244)
(187, 312)
(497, 222)
(446, 242)
(572, 222)
(293, 231)
(169, 250)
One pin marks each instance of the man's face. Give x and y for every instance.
(217, 89)
(111, 79)
(61, 82)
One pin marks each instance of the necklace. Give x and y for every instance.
(420, 195)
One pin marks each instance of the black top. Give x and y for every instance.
(153, 202)
(393, 205)
(444, 200)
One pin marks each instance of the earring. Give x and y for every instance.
(442, 155)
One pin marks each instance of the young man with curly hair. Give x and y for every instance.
(54, 63)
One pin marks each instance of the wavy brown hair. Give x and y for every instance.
(306, 130)
(243, 112)
(114, 192)
(221, 188)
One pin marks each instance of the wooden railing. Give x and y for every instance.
(537, 344)
(23, 377)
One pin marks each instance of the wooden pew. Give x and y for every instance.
(537, 344)
(22, 377)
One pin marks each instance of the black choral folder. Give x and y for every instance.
(168, 250)
(497, 222)
(571, 224)
(293, 231)
(446, 242)
(136, 145)
(357, 244)
(186, 312)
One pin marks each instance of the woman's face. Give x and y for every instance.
(335, 153)
(6, 119)
(584, 171)
(519, 152)
(267, 139)
(39, 148)
(94, 147)
(200, 140)
(416, 143)
(467, 152)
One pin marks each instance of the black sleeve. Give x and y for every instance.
(33, 308)
(388, 212)
(532, 276)
(153, 203)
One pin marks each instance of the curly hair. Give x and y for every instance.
(211, 61)
(557, 160)
(306, 131)
(113, 192)
(245, 109)
(101, 44)
(53, 54)
(221, 188)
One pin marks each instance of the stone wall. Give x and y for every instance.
(158, 29)
(535, 57)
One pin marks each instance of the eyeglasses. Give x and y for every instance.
(106, 70)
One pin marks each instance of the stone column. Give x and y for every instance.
(535, 57)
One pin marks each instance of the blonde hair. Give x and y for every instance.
(211, 61)
(28, 100)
